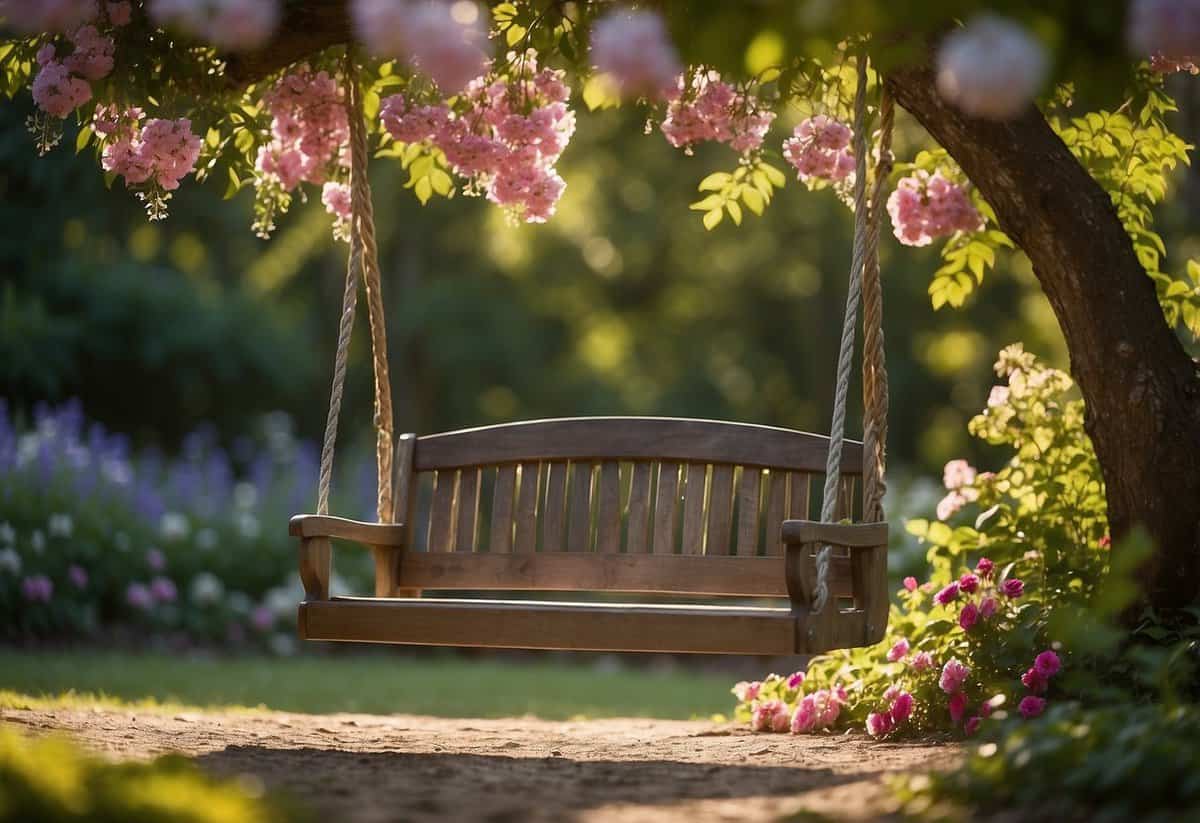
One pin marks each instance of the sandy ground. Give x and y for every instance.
(354, 768)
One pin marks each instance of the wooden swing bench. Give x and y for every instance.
(606, 505)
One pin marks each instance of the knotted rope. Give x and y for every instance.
(364, 263)
(864, 267)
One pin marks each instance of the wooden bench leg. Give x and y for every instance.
(316, 566)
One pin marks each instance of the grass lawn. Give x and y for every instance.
(375, 684)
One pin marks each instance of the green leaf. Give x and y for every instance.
(735, 211)
(715, 181)
(82, 140)
(713, 218)
(424, 190)
(777, 178)
(713, 201)
(753, 200)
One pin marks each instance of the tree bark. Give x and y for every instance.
(1141, 389)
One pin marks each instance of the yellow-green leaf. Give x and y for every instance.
(713, 201)
(715, 181)
(424, 190)
(713, 218)
(735, 211)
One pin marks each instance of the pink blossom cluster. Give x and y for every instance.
(705, 107)
(962, 487)
(818, 711)
(310, 130)
(63, 84)
(633, 48)
(57, 16)
(232, 25)
(37, 588)
(443, 40)
(1037, 677)
(505, 141)
(145, 596)
(900, 709)
(160, 152)
(1168, 32)
(980, 594)
(991, 68)
(926, 206)
(819, 149)
(775, 710)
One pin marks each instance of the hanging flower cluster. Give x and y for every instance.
(926, 206)
(230, 25)
(819, 150)
(778, 704)
(443, 40)
(1168, 32)
(704, 107)
(635, 51)
(151, 157)
(991, 68)
(505, 138)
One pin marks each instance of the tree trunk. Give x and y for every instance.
(1141, 388)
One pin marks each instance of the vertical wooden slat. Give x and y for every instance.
(501, 530)
(799, 486)
(777, 500)
(665, 505)
(638, 524)
(468, 510)
(441, 514)
(845, 506)
(720, 510)
(527, 509)
(404, 486)
(608, 509)
(748, 497)
(579, 512)
(693, 508)
(555, 507)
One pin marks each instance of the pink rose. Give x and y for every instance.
(879, 724)
(984, 567)
(987, 608)
(1034, 681)
(805, 716)
(968, 616)
(968, 583)
(1013, 587)
(957, 706)
(922, 661)
(1047, 664)
(771, 716)
(902, 707)
(1031, 707)
(898, 651)
(954, 674)
(795, 679)
(947, 594)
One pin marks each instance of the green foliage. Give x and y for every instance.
(753, 183)
(52, 780)
(1108, 765)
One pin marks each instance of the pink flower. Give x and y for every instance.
(92, 57)
(155, 560)
(902, 707)
(958, 473)
(78, 576)
(947, 595)
(998, 396)
(972, 725)
(819, 149)
(746, 692)
(898, 651)
(1031, 706)
(795, 679)
(138, 595)
(954, 674)
(1013, 588)
(443, 40)
(910, 583)
(336, 197)
(925, 207)
(805, 717)
(968, 616)
(704, 107)
(1047, 664)
(958, 706)
(37, 588)
(968, 583)
(991, 68)
(891, 692)
(922, 661)
(987, 607)
(950, 505)
(1166, 29)
(262, 619)
(879, 724)
(984, 568)
(162, 589)
(58, 92)
(771, 716)
(633, 47)
(1035, 681)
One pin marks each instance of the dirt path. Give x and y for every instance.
(355, 768)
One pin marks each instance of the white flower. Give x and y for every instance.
(245, 495)
(247, 525)
(991, 68)
(174, 526)
(206, 589)
(37, 541)
(207, 539)
(8, 535)
(60, 525)
(10, 561)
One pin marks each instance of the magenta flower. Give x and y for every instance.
(1013, 587)
(1047, 664)
(910, 583)
(1034, 681)
(138, 595)
(898, 651)
(262, 619)
(78, 576)
(37, 588)
(902, 707)
(968, 583)
(879, 724)
(957, 706)
(968, 616)
(954, 674)
(972, 725)
(1031, 706)
(947, 595)
(984, 567)
(156, 561)
(987, 608)
(922, 661)
(163, 590)
(795, 679)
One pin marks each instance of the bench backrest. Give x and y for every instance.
(609, 503)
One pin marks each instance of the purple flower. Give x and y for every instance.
(1013, 587)
(37, 588)
(972, 725)
(138, 595)
(987, 608)
(1031, 707)
(1047, 664)
(795, 679)
(947, 595)
(78, 576)
(262, 619)
(155, 560)
(968, 583)
(162, 589)
(984, 567)
(968, 617)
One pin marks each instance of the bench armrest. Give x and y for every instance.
(386, 540)
(339, 528)
(854, 535)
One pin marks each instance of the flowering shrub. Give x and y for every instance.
(977, 639)
(95, 539)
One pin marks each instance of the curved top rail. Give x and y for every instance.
(632, 438)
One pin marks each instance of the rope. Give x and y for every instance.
(363, 262)
(866, 240)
